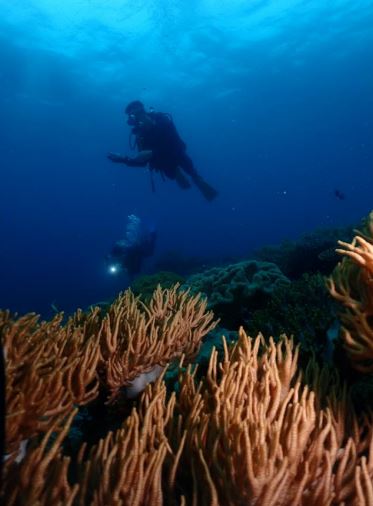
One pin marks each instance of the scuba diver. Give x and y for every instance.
(129, 253)
(161, 148)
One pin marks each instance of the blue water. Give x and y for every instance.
(273, 98)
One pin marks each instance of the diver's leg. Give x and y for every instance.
(186, 163)
(207, 190)
(181, 180)
(172, 171)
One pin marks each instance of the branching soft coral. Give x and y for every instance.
(49, 368)
(41, 477)
(130, 461)
(258, 437)
(352, 284)
(250, 433)
(135, 337)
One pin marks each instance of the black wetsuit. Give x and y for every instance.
(169, 150)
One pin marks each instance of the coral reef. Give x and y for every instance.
(235, 289)
(312, 253)
(250, 425)
(302, 309)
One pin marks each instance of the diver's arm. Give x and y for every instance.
(116, 158)
(140, 160)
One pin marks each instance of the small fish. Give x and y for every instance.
(339, 195)
(54, 307)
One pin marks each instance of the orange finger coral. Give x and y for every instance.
(255, 434)
(49, 367)
(135, 337)
(130, 461)
(249, 433)
(52, 366)
(41, 477)
(352, 284)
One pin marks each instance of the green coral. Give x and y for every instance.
(312, 253)
(236, 289)
(303, 309)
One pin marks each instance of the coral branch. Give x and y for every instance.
(352, 284)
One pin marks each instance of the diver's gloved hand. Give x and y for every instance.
(117, 158)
